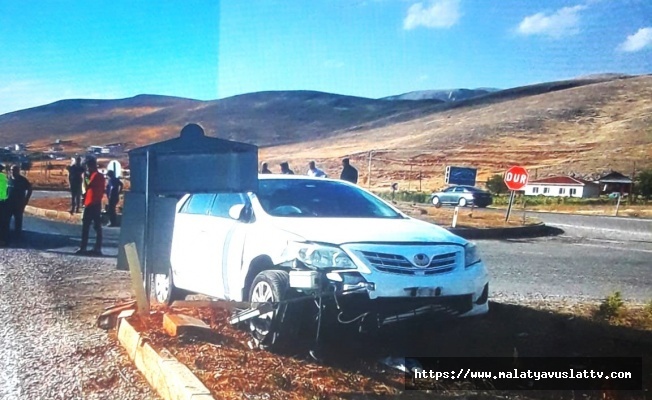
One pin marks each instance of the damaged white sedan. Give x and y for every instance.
(319, 250)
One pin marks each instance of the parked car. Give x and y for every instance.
(462, 196)
(314, 237)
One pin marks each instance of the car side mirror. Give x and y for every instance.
(237, 212)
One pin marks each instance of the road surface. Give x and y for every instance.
(594, 257)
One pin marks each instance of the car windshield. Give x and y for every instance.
(319, 199)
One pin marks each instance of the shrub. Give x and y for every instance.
(496, 184)
(611, 307)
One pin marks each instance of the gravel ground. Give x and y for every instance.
(50, 347)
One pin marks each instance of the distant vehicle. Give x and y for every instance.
(462, 196)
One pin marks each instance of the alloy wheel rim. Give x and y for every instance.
(161, 287)
(262, 293)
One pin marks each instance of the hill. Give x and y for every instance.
(583, 125)
(443, 95)
(578, 126)
(263, 118)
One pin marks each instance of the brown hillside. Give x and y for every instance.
(583, 130)
(584, 126)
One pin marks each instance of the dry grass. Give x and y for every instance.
(586, 129)
(466, 217)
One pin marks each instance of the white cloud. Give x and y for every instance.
(562, 22)
(637, 41)
(436, 14)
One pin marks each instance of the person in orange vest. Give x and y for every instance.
(92, 209)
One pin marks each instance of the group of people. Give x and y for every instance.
(15, 192)
(88, 187)
(349, 173)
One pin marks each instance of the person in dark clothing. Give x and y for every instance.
(4, 219)
(264, 169)
(18, 195)
(285, 169)
(349, 173)
(113, 190)
(92, 209)
(75, 178)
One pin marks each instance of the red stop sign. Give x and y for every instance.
(516, 178)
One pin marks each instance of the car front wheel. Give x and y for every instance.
(436, 202)
(273, 329)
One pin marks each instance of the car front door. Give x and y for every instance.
(188, 240)
(225, 241)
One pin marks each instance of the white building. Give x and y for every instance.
(562, 186)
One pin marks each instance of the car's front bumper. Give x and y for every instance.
(395, 293)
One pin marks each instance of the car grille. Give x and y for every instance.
(397, 264)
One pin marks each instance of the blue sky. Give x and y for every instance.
(61, 49)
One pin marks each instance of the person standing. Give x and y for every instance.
(75, 178)
(285, 169)
(92, 209)
(4, 218)
(19, 193)
(264, 169)
(349, 173)
(314, 171)
(113, 190)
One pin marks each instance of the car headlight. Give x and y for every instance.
(471, 255)
(320, 256)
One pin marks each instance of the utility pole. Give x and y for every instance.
(371, 152)
(630, 199)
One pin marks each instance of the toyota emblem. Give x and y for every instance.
(421, 260)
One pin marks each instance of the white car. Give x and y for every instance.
(320, 239)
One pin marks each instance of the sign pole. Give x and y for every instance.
(509, 207)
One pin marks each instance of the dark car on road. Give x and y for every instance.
(462, 196)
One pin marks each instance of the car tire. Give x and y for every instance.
(164, 290)
(462, 202)
(435, 201)
(274, 330)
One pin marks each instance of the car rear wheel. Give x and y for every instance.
(164, 290)
(272, 330)
(436, 202)
(462, 202)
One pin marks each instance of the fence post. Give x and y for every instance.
(457, 210)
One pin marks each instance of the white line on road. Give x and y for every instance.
(594, 228)
(613, 248)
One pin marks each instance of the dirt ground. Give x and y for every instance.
(442, 216)
(351, 367)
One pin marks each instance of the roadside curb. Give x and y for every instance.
(53, 214)
(170, 378)
(536, 230)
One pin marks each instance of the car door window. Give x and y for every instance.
(224, 202)
(198, 204)
(459, 190)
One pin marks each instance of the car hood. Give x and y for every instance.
(339, 231)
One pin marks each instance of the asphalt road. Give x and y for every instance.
(594, 257)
